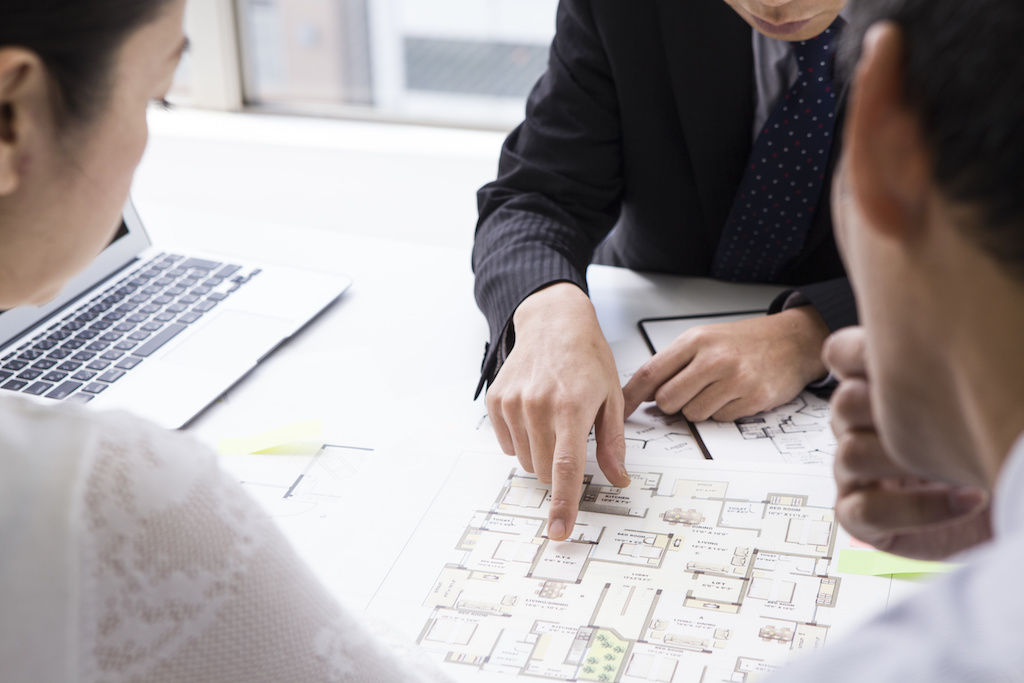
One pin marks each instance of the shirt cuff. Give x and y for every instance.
(502, 347)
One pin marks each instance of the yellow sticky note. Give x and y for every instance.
(877, 563)
(298, 438)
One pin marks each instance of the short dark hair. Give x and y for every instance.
(964, 76)
(77, 40)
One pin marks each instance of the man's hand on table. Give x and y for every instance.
(558, 382)
(878, 501)
(726, 371)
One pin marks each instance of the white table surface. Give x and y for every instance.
(392, 365)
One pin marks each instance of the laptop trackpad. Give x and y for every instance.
(229, 338)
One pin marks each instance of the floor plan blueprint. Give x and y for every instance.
(650, 435)
(797, 432)
(700, 572)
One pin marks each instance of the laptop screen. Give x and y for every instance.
(128, 242)
(121, 232)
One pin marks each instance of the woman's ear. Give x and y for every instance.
(22, 96)
(888, 161)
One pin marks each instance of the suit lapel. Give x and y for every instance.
(710, 62)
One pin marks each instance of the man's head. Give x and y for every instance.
(790, 20)
(929, 207)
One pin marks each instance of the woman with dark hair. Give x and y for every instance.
(127, 554)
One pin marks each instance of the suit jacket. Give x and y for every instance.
(634, 144)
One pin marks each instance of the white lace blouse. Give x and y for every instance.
(127, 555)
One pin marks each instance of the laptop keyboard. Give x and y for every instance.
(81, 355)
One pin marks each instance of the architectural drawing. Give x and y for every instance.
(656, 434)
(797, 432)
(649, 433)
(697, 574)
(300, 486)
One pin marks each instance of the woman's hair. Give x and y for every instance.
(78, 41)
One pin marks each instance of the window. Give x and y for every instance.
(462, 62)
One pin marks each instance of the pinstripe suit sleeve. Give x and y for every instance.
(559, 185)
(833, 299)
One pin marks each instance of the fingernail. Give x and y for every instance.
(962, 501)
(624, 475)
(556, 529)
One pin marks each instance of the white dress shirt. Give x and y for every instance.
(965, 627)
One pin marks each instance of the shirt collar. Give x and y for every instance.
(1008, 506)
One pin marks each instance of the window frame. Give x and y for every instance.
(215, 64)
(217, 80)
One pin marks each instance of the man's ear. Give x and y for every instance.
(21, 81)
(889, 165)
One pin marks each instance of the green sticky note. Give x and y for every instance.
(298, 438)
(877, 563)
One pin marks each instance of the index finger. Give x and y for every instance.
(845, 353)
(659, 369)
(566, 481)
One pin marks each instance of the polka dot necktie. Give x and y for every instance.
(778, 196)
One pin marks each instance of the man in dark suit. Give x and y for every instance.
(679, 136)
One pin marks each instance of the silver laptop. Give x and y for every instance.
(162, 334)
